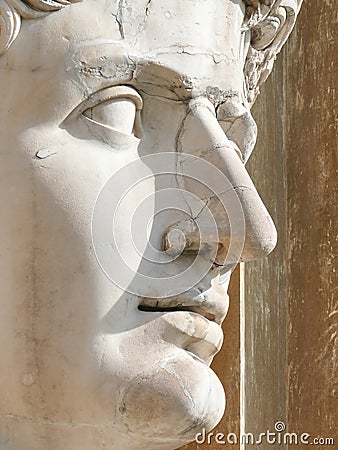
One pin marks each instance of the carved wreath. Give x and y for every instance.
(269, 23)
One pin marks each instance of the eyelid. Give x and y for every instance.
(106, 94)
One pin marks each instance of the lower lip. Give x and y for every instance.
(194, 333)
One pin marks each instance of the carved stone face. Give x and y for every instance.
(77, 347)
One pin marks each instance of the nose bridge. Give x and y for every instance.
(202, 137)
(201, 131)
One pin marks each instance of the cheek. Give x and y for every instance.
(68, 175)
(63, 189)
(72, 224)
(70, 292)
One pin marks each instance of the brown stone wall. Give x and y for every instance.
(311, 142)
(290, 311)
(265, 282)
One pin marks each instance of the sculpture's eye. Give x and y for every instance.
(115, 109)
(118, 114)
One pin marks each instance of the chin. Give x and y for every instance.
(173, 400)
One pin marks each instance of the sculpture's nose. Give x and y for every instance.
(230, 197)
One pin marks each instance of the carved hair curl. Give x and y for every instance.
(11, 12)
(270, 23)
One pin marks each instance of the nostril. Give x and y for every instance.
(174, 242)
(180, 237)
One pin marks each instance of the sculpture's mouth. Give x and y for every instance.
(195, 321)
(179, 307)
(212, 304)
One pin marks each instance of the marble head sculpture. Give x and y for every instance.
(125, 204)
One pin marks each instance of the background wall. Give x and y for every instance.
(227, 366)
(311, 164)
(288, 311)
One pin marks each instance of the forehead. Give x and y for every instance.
(198, 41)
(192, 44)
(162, 28)
(175, 26)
